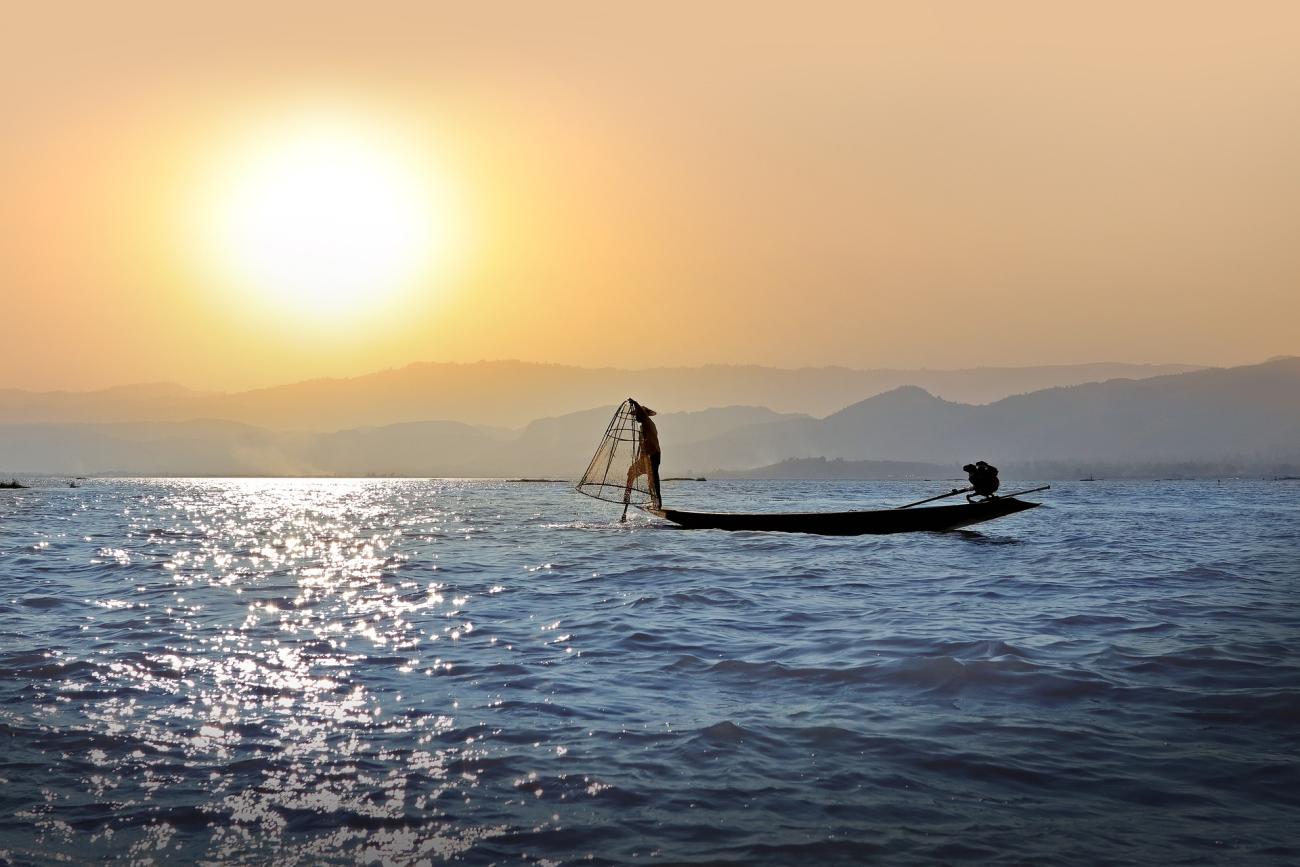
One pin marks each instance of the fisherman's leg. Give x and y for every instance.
(633, 473)
(627, 491)
(639, 468)
(654, 483)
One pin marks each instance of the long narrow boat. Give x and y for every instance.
(851, 523)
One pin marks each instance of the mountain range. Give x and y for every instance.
(513, 393)
(1242, 419)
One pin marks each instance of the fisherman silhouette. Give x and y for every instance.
(983, 478)
(646, 462)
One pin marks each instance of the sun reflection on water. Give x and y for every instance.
(282, 639)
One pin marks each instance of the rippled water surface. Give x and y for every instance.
(411, 671)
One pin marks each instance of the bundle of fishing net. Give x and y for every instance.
(618, 458)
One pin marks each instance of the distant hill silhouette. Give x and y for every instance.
(1249, 414)
(838, 468)
(562, 446)
(558, 446)
(1232, 420)
(513, 393)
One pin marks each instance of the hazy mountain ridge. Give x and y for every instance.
(1233, 420)
(513, 393)
(559, 446)
(1234, 416)
(838, 468)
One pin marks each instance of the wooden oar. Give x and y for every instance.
(1030, 491)
(954, 492)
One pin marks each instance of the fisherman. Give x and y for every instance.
(983, 478)
(646, 462)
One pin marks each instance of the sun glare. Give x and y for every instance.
(326, 218)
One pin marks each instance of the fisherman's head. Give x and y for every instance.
(969, 468)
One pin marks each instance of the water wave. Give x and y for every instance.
(414, 671)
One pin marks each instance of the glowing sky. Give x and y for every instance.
(941, 185)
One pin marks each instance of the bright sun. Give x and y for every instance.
(326, 218)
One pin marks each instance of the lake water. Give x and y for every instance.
(411, 671)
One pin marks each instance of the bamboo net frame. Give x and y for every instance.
(618, 458)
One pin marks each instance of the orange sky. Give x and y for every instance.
(941, 185)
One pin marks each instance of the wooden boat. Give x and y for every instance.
(851, 523)
(621, 471)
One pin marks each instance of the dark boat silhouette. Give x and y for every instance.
(625, 470)
(851, 523)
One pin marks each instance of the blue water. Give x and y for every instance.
(410, 671)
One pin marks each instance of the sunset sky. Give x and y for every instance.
(265, 192)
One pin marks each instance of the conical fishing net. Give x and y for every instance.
(619, 472)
